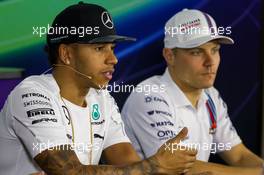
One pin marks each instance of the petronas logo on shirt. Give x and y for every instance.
(95, 112)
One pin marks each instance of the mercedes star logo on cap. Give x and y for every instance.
(106, 20)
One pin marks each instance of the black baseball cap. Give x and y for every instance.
(84, 23)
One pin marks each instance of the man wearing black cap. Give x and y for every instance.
(63, 122)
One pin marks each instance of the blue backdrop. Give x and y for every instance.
(239, 77)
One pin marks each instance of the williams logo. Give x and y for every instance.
(159, 113)
(40, 111)
(150, 112)
(95, 112)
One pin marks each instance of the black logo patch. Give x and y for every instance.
(44, 120)
(40, 111)
(98, 136)
(98, 123)
(159, 112)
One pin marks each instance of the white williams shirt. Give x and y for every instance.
(35, 118)
(150, 120)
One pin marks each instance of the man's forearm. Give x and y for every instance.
(60, 161)
(250, 160)
(139, 168)
(218, 169)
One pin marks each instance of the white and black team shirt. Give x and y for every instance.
(152, 119)
(35, 118)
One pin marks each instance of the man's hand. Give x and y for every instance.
(166, 161)
(173, 158)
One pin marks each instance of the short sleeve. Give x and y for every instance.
(226, 134)
(116, 131)
(35, 112)
(149, 122)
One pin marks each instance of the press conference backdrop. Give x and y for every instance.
(239, 79)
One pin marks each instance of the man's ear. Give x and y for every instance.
(63, 52)
(168, 55)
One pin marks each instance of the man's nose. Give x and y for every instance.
(111, 58)
(209, 59)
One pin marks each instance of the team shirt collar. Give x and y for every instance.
(173, 89)
(52, 84)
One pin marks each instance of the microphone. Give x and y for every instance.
(69, 67)
(80, 73)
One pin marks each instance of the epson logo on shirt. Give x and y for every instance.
(162, 123)
(40, 111)
(159, 112)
